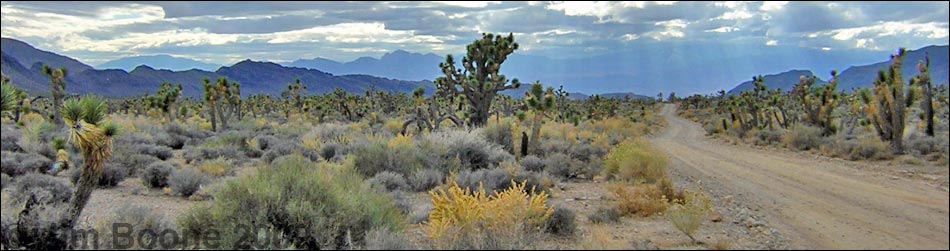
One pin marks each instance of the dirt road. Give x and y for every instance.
(816, 203)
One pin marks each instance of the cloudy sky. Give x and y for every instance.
(224, 33)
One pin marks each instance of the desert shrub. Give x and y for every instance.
(562, 166)
(309, 205)
(689, 215)
(605, 215)
(330, 150)
(497, 179)
(139, 218)
(9, 137)
(5, 180)
(553, 146)
(802, 137)
(186, 181)
(601, 238)
(425, 179)
(923, 145)
(857, 149)
(112, 174)
(561, 222)
(532, 163)
(586, 152)
(40, 228)
(642, 200)
(437, 156)
(384, 239)
(16, 164)
(389, 181)
(635, 160)
(216, 167)
(288, 149)
(397, 155)
(156, 174)
(48, 190)
(266, 142)
(470, 148)
(500, 134)
(134, 162)
(467, 219)
(190, 133)
(768, 137)
(173, 141)
(160, 152)
(9, 164)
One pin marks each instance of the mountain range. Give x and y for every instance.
(164, 62)
(646, 71)
(864, 75)
(22, 63)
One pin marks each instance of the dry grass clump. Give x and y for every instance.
(642, 200)
(635, 160)
(466, 219)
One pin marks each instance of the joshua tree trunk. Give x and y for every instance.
(535, 132)
(214, 122)
(88, 180)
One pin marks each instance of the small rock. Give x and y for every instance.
(717, 218)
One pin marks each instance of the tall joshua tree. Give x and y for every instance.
(888, 105)
(922, 80)
(57, 79)
(480, 81)
(211, 97)
(88, 130)
(541, 102)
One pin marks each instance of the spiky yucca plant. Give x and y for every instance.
(89, 131)
(7, 97)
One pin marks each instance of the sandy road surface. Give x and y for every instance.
(818, 204)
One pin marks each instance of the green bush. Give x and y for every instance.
(389, 181)
(156, 174)
(47, 189)
(561, 222)
(635, 160)
(605, 215)
(296, 201)
(111, 175)
(803, 137)
(187, 181)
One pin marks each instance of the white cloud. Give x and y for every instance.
(630, 37)
(671, 29)
(771, 42)
(468, 4)
(773, 5)
(929, 30)
(723, 29)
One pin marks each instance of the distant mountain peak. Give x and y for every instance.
(157, 61)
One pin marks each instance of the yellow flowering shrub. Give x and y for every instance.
(464, 219)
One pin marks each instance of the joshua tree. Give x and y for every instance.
(541, 102)
(167, 99)
(93, 136)
(211, 97)
(922, 81)
(58, 90)
(818, 102)
(887, 106)
(296, 92)
(480, 82)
